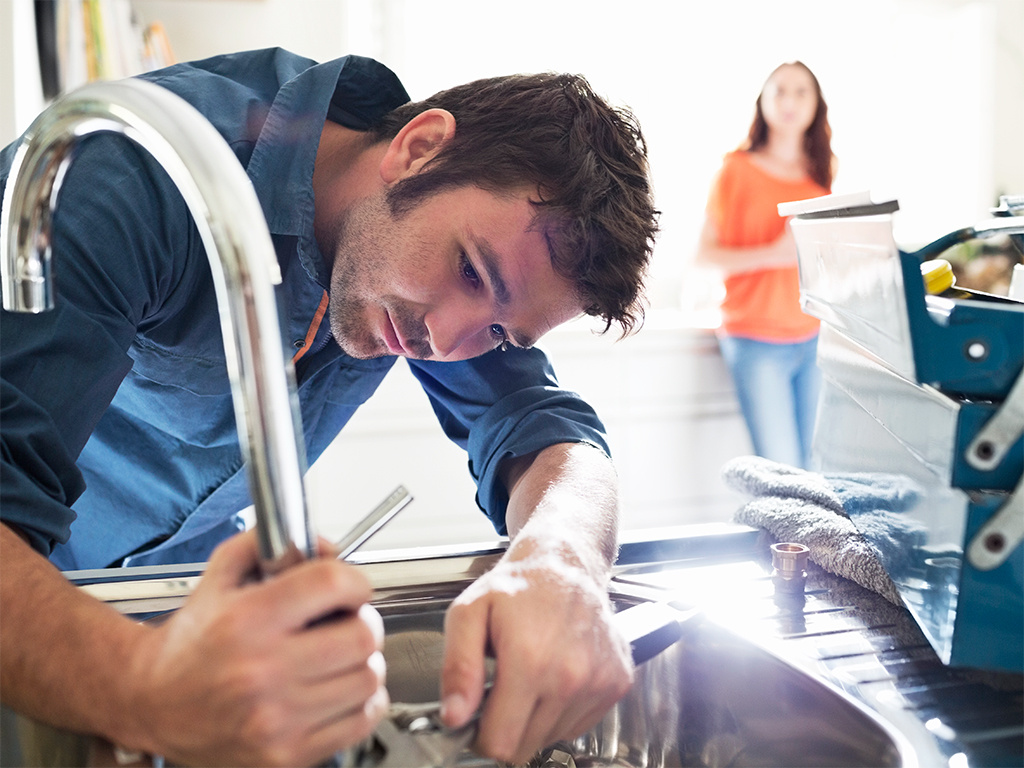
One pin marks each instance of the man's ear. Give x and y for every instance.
(417, 142)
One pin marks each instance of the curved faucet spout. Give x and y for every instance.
(234, 232)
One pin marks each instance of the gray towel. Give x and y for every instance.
(811, 509)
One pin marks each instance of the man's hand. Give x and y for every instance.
(561, 664)
(243, 673)
(543, 612)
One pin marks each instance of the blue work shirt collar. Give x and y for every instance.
(282, 162)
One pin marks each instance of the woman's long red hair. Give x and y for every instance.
(817, 138)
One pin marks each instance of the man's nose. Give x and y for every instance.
(459, 330)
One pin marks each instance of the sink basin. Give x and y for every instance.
(712, 699)
(832, 676)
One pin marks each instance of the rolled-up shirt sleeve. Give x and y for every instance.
(505, 405)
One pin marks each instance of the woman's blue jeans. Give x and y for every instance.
(777, 386)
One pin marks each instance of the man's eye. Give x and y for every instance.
(468, 273)
(499, 336)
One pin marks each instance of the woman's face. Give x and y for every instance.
(789, 100)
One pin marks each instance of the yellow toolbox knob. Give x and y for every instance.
(938, 276)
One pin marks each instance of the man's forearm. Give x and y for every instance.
(566, 496)
(253, 654)
(62, 651)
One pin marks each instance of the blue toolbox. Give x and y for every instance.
(923, 398)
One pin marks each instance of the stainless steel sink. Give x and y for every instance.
(713, 699)
(831, 676)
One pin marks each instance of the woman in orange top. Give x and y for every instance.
(767, 341)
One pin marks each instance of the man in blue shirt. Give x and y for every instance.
(454, 232)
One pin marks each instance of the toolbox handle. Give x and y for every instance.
(989, 228)
(1000, 432)
(1000, 535)
(1003, 532)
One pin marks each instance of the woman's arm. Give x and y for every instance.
(730, 261)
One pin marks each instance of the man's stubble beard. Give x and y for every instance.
(353, 239)
(361, 277)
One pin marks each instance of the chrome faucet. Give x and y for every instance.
(234, 232)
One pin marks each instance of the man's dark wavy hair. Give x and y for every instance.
(586, 159)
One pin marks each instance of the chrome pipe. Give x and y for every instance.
(234, 233)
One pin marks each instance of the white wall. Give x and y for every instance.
(201, 28)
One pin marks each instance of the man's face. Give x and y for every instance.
(449, 280)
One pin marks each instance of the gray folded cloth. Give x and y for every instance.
(812, 509)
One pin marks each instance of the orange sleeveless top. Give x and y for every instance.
(761, 304)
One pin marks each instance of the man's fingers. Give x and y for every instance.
(322, 742)
(544, 729)
(335, 697)
(338, 645)
(314, 590)
(510, 708)
(512, 730)
(464, 668)
(326, 548)
(325, 584)
(232, 563)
